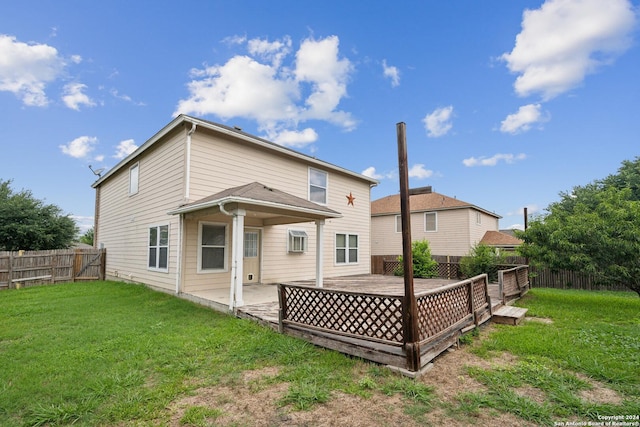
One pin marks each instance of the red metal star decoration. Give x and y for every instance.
(350, 199)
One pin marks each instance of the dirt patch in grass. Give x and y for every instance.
(599, 393)
(253, 399)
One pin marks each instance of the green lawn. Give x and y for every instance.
(108, 353)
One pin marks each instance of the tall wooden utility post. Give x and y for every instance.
(409, 304)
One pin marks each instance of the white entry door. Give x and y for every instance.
(251, 260)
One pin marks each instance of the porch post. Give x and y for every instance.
(238, 255)
(319, 252)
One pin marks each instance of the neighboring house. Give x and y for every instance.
(450, 225)
(501, 240)
(203, 206)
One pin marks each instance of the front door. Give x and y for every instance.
(251, 260)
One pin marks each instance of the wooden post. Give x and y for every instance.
(409, 304)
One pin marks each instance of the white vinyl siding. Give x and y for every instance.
(431, 222)
(212, 247)
(134, 179)
(318, 184)
(346, 248)
(158, 258)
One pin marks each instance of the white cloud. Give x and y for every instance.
(419, 171)
(492, 161)
(84, 223)
(278, 97)
(293, 138)
(125, 97)
(438, 123)
(392, 73)
(564, 40)
(74, 97)
(26, 69)
(125, 148)
(522, 121)
(80, 147)
(372, 173)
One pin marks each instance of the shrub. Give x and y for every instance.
(482, 259)
(423, 265)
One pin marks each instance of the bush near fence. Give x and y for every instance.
(30, 268)
(540, 277)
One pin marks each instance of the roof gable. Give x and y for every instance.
(498, 238)
(236, 134)
(420, 203)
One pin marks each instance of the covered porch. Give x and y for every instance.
(215, 234)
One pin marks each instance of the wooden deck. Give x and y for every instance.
(267, 313)
(363, 316)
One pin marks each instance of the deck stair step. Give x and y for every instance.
(509, 315)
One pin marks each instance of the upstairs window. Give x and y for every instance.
(318, 181)
(134, 172)
(159, 248)
(297, 241)
(398, 224)
(346, 248)
(478, 218)
(431, 221)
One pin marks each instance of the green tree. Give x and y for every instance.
(87, 237)
(423, 265)
(28, 223)
(595, 230)
(482, 259)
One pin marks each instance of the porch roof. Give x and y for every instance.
(259, 197)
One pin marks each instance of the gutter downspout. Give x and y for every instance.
(187, 187)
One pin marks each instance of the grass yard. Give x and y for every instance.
(108, 353)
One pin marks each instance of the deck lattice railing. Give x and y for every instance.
(513, 282)
(442, 313)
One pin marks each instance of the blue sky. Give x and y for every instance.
(507, 103)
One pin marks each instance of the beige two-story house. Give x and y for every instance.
(451, 226)
(204, 206)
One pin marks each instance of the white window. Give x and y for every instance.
(430, 221)
(346, 248)
(159, 248)
(297, 241)
(134, 174)
(398, 224)
(478, 218)
(318, 181)
(212, 247)
(250, 244)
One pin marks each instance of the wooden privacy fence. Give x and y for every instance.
(29, 268)
(371, 326)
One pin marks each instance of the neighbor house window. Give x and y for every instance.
(318, 186)
(134, 174)
(297, 241)
(213, 247)
(159, 248)
(398, 224)
(478, 218)
(430, 221)
(346, 248)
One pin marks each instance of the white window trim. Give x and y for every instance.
(157, 246)
(326, 188)
(225, 269)
(425, 222)
(137, 167)
(305, 243)
(335, 250)
(398, 222)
